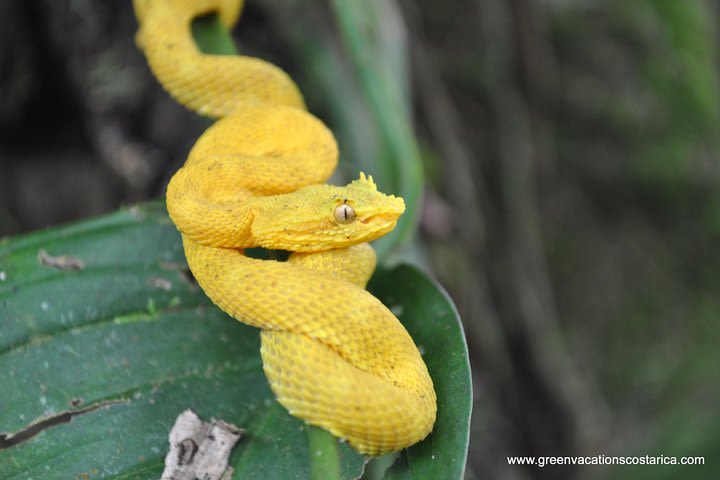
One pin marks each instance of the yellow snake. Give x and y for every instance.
(334, 355)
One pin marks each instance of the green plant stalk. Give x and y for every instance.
(212, 37)
(325, 458)
(376, 468)
(385, 102)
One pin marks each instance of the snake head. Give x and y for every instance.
(323, 217)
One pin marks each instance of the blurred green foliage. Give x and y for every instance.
(685, 80)
(651, 286)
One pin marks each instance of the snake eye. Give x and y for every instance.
(344, 214)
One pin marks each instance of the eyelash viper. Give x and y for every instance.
(333, 354)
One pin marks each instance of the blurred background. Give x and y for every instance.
(570, 201)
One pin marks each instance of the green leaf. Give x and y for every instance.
(99, 361)
(129, 327)
(431, 319)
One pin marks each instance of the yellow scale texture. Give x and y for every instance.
(334, 355)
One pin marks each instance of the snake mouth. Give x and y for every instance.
(378, 218)
(377, 226)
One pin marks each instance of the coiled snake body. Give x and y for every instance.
(334, 355)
